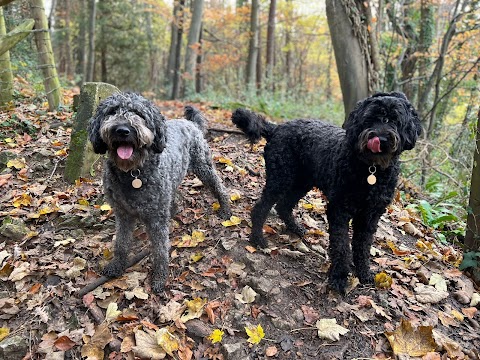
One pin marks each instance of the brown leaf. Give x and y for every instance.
(309, 314)
(409, 341)
(469, 312)
(271, 351)
(64, 343)
(94, 348)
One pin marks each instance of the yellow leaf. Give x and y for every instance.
(235, 196)
(22, 200)
(383, 281)
(307, 206)
(216, 336)
(112, 312)
(4, 332)
(233, 221)
(458, 315)
(190, 240)
(194, 309)
(414, 342)
(255, 334)
(62, 152)
(196, 257)
(16, 163)
(8, 141)
(215, 206)
(167, 341)
(83, 202)
(224, 160)
(105, 207)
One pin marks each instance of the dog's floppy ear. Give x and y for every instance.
(104, 108)
(160, 139)
(412, 128)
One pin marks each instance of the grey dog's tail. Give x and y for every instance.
(253, 125)
(196, 117)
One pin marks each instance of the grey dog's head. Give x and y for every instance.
(128, 126)
(381, 127)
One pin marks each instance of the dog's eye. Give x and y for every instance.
(385, 120)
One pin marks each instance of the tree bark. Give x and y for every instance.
(82, 44)
(270, 42)
(91, 42)
(170, 71)
(472, 236)
(45, 54)
(253, 46)
(8, 41)
(351, 62)
(6, 76)
(178, 51)
(192, 47)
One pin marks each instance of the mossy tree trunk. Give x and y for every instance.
(472, 237)
(6, 76)
(45, 54)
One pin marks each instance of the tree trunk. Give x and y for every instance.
(45, 54)
(6, 76)
(153, 49)
(91, 42)
(68, 39)
(258, 70)
(192, 47)
(472, 236)
(169, 74)
(253, 46)
(82, 44)
(289, 45)
(350, 59)
(178, 51)
(270, 42)
(198, 73)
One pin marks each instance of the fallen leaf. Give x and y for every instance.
(167, 340)
(234, 220)
(64, 343)
(438, 281)
(475, 299)
(171, 311)
(330, 330)
(112, 312)
(406, 340)
(137, 292)
(76, 268)
(4, 332)
(194, 309)
(20, 271)
(216, 336)
(255, 334)
(235, 197)
(271, 351)
(16, 163)
(146, 346)
(426, 294)
(93, 349)
(469, 312)
(383, 281)
(247, 295)
(309, 314)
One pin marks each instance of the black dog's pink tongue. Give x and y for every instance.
(124, 152)
(374, 145)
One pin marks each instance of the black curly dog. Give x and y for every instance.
(356, 168)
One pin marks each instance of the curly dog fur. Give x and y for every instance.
(142, 145)
(303, 154)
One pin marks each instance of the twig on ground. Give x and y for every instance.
(228, 131)
(103, 279)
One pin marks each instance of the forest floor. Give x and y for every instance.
(56, 237)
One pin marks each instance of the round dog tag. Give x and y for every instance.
(137, 183)
(371, 179)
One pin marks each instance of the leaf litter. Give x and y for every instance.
(221, 292)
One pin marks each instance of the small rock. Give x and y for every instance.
(234, 351)
(13, 229)
(13, 348)
(198, 329)
(263, 286)
(282, 324)
(298, 315)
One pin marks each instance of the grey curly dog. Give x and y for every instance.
(148, 158)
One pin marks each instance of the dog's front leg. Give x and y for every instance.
(339, 247)
(157, 229)
(124, 233)
(364, 227)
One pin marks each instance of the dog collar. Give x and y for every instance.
(371, 179)
(136, 182)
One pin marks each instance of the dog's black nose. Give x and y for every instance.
(122, 131)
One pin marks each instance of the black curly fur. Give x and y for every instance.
(302, 154)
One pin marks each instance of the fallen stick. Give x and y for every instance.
(228, 131)
(103, 279)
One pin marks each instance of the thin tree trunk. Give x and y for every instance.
(82, 44)
(259, 71)
(178, 51)
(253, 46)
(6, 76)
(288, 44)
(68, 38)
(192, 47)
(91, 43)
(270, 42)
(199, 74)
(170, 71)
(153, 49)
(45, 54)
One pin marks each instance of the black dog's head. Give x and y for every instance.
(128, 126)
(381, 127)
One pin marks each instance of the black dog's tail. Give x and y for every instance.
(253, 125)
(196, 117)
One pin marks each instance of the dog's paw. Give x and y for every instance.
(365, 277)
(224, 213)
(258, 241)
(298, 230)
(114, 269)
(338, 284)
(158, 286)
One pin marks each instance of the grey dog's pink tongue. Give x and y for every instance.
(374, 145)
(124, 152)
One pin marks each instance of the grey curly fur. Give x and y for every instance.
(303, 154)
(163, 152)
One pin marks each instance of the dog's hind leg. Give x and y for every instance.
(157, 230)
(124, 235)
(339, 247)
(364, 227)
(270, 196)
(285, 207)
